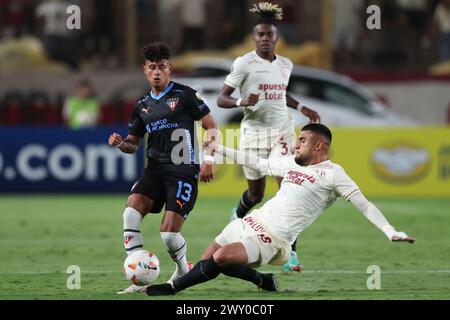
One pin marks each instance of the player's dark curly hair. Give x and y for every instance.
(319, 128)
(156, 51)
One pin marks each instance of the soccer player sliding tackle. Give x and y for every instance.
(267, 129)
(311, 183)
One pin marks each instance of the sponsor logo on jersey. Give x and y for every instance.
(298, 177)
(273, 91)
(172, 103)
(401, 162)
(161, 124)
(145, 110)
(272, 86)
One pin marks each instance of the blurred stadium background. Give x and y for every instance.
(384, 92)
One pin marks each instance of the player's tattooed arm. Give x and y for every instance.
(128, 145)
(307, 112)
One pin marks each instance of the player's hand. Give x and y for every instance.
(207, 172)
(402, 237)
(311, 114)
(251, 100)
(115, 139)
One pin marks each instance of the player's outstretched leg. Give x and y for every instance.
(264, 281)
(268, 282)
(203, 271)
(164, 289)
(293, 264)
(208, 269)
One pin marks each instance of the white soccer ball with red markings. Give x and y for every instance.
(141, 267)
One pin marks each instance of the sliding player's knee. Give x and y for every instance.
(223, 257)
(212, 248)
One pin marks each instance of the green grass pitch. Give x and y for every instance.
(40, 236)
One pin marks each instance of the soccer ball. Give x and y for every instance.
(141, 267)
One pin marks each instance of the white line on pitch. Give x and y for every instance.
(53, 272)
(363, 272)
(278, 272)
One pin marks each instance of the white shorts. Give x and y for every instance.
(262, 248)
(266, 146)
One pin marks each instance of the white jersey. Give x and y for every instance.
(255, 75)
(304, 194)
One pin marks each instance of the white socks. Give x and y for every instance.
(174, 241)
(176, 246)
(132, 237)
